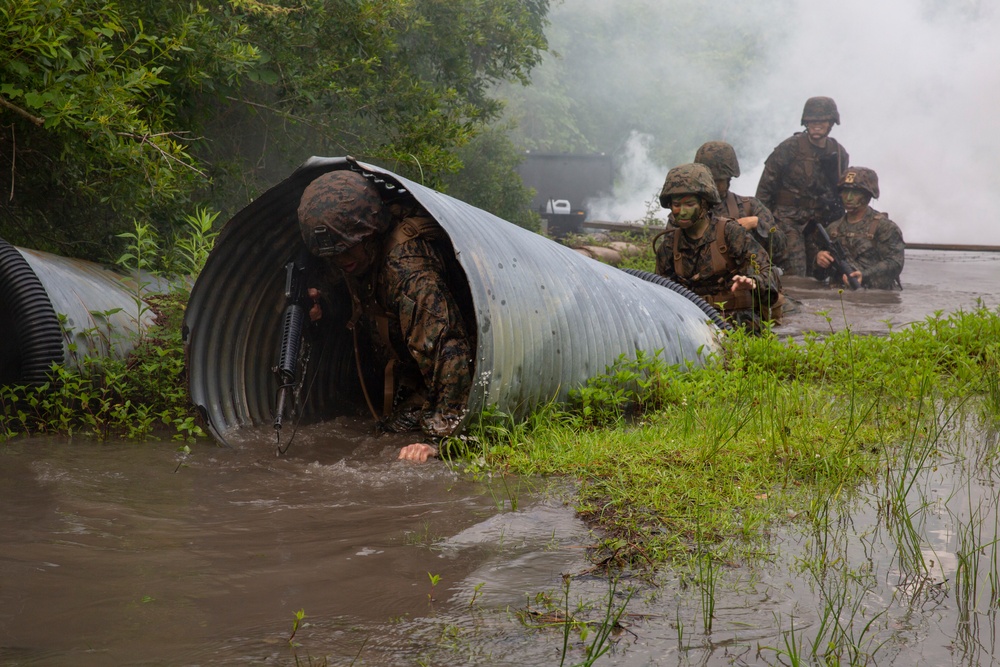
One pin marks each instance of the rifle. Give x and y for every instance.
(294, 321)
(839, 256)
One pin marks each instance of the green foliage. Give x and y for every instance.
(86, 95)
(667, 456)
(489, 179)
(626, 390)
(144, 107)
(131, 398)
(111, 398)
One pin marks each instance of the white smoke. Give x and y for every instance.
(917, 92)
(635, 193)
(917, 84)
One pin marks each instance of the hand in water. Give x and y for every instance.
(418, 452)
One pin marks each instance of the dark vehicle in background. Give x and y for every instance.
(563, 184)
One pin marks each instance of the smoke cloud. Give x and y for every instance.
(917, 85)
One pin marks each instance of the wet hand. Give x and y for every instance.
(741, 283)
(854, 274)
(316, 312)
(749, 222)
(824, 259)
(418, 452)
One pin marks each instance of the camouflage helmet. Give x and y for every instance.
(689, 179)
(860, 178)
(339, 210)
(820, 109)
(720, 158)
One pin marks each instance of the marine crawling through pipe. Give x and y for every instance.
(405, 317)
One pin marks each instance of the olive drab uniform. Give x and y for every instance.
(416, 328)
(766, 233)
(873, 245)
(708, 265)
(799, 186)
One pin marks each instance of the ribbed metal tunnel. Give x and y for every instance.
(547, 317)
(98, 308)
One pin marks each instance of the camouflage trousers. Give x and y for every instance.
(800, 247)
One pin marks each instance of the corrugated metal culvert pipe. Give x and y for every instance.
(98, 308)
(546, 317)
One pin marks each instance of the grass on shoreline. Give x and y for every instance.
(670, 461)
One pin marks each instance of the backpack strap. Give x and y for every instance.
(732, 205)
(721, 260)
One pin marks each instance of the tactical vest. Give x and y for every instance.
(810, 159)
(723, 264)
(872, 227)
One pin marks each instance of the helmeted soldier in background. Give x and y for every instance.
(753, 216)
(871, 241)
(715, 258)
(405, 316)
(799, 181)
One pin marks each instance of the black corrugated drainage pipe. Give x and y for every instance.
(58, 310)
(546, 317)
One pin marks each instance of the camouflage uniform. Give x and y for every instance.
(402, 303)
(766, 233)
(873, 245)
(799, 184)
(720, 158)
(707, 265)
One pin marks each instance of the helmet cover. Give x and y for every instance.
(339, 210)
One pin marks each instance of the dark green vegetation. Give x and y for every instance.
(132, 110)
(146, 392)
(670, 461)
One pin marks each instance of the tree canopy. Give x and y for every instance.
(118, 111)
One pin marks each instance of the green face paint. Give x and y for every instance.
(687, 213)
(852, 198)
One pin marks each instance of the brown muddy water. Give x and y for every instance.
(138, 554)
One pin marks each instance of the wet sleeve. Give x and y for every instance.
(890, 248)
(664, 246)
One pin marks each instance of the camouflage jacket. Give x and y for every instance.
(428, 333)
(800, 180)
(874, 246)
(767, 233)
(695, 269)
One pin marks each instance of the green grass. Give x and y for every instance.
(670, 459)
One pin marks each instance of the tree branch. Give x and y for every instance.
(21, 112)
(144, 139)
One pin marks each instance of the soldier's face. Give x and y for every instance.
(818, 129)
(722, 185)
(687, 210)
(354, 261)
(854, 199)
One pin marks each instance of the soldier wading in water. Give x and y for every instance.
(753, 216)
(405, 317)
(799, 181)
(872, 242)
(715, 258)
